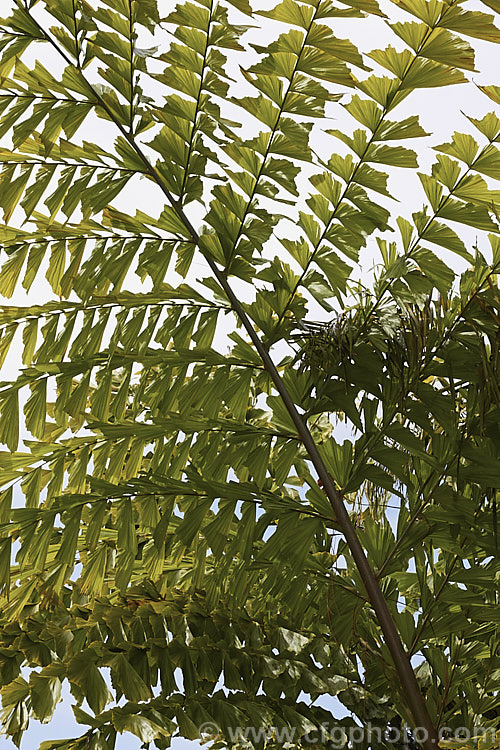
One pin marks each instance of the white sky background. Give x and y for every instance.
(440, 112)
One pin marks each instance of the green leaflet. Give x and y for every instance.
(45, 692)
(126, 679)
(83, 672)
(291, 13)
(478, 25)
